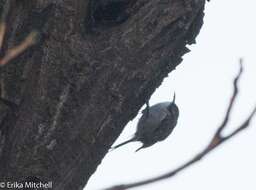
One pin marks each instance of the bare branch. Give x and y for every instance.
(232, 100)
(217, 140)
(2, 33)
(5, 12)
(243, 126)
(17, 50)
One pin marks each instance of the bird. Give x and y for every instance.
(156, 124)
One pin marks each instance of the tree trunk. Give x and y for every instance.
(95, 65)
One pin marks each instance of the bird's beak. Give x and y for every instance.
(140, 148)
(173, 100)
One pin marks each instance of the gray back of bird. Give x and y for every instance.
(156, 125)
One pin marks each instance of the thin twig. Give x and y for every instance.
(17, 50)
(232, 100)
(217, 140)
(14, 52)
(2, 33)
(5, 12)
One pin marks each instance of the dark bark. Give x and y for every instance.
(87, 77)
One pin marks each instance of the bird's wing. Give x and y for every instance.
(154, 122)
(165, 128)
(163, 122)
(147, 125)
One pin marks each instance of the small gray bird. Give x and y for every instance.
(156, 124)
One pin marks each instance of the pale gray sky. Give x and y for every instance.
(203, 86)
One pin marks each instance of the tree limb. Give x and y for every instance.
(18, 49)
(76, 90)
(216, 141)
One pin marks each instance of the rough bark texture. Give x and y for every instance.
(83, 82)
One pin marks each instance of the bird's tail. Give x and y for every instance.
(143, 146)
(123, 143)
